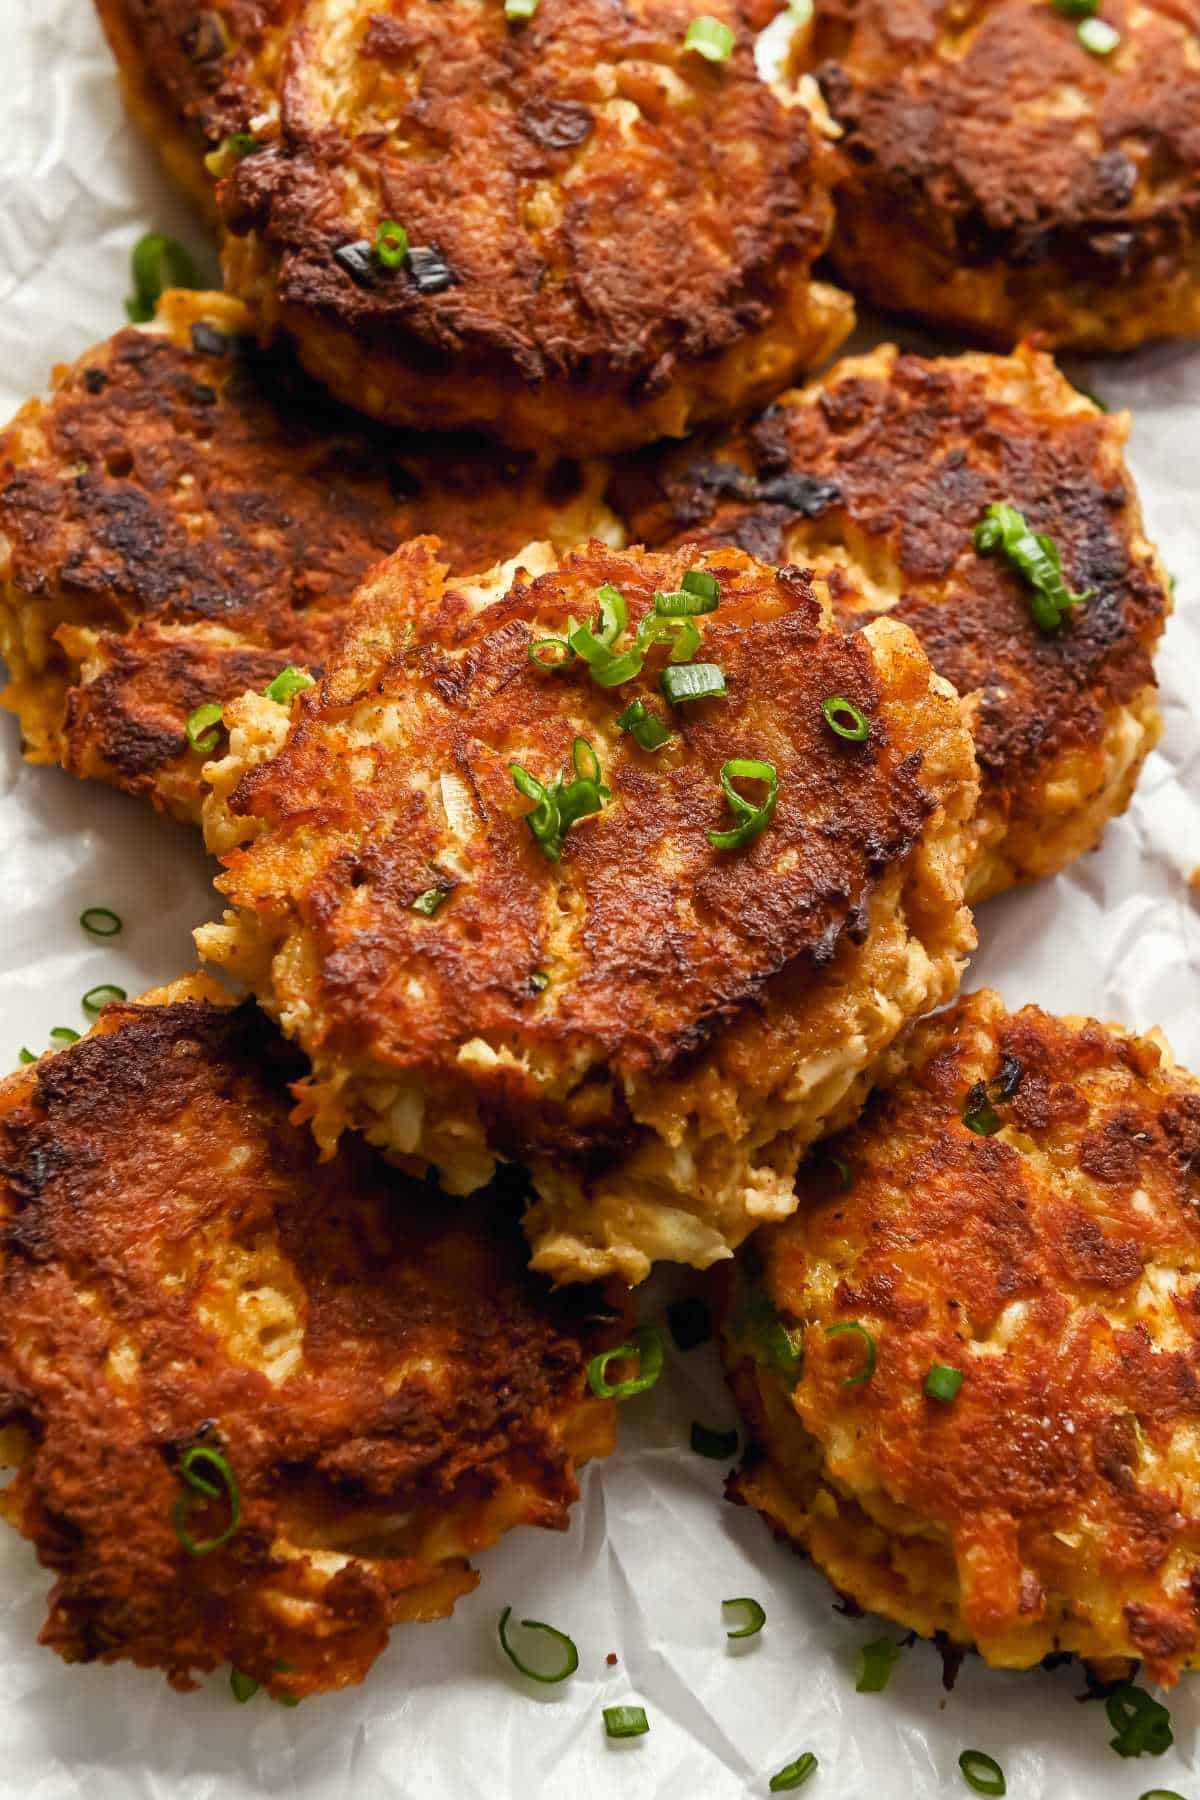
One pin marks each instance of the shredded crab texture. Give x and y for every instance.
(1050, 1504)
(655, 1026)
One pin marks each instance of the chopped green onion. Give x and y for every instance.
(751, 819)
(557, 808)
(286, 1699)
(96, 999)
(719, 1445)
(647, 1345)
(1143, 1727)
(391, 243)
(699, 581)
(63, 1035)
(25, 1056)
(690, 1323)
(101, 921)
(875, 1664)
(192, 1467)
(783, 1353)
(978, 1114)
(710, 38)
(158, 262)
(1098, 37)
(1035, 557)
(867, 1367)
(614, 614)
(794, 1774)
(683, 635)
(644, 727)
(943, 1382)
(569, 1654)
(1075, 9)
(539, 981)
(755, 1618)
(550, 653)
(611, 671)
(698, 592)
(244, 1686)
(230, 150)
(625, 1721)
(842, 716)
(202, 725)
(802, 12)
(427, 903)
(1160, 1794)
(520, 9)
(241, 143)
(287, 684)
(982, 1773)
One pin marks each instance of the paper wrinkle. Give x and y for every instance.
(653, 1548)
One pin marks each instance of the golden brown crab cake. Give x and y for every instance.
(886, 465)
(361, 1368)
(609, 235)
(186, 515)
(971, 1361)
(1001, 178)
(655, 1024)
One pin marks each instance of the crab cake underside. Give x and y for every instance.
(360, 1370)
(1000, 178)
(546, 174)
(1011, 1455)
(655, 1025)
(886, 466)
(186, 515)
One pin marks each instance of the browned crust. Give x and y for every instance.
(985, 142)
(134, 1168)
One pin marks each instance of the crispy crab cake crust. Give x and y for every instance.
(887, 464)
(999, 179)
(390, 1387)
(548, 175)
(186, 515)
(656, 1027)
(1054, 1503)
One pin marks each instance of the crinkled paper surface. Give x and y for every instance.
(653, 1548)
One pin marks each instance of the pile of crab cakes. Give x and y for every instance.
(605, 714)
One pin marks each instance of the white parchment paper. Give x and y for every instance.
(653, 1548)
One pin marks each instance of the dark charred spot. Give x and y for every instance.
(208, 341)
(428, 269)
(358, 260)
(555, 124)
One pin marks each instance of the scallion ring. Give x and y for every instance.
(699, 581)
(683, 635)
(391, 243)
(25, 1056)
(244, 1686)
(287, 684)
(646, 1344)
(1034, 555)
(719, 1445)
(1142, 1725)
(982, 1773)
(625, 1721)
(685, 602)
(97, 998)
(611, 671)
(1160, 1794)
(751, 819)
(1098, 37)
(550, 653)
(101, 921)
(710, 38)
(867, 1368)
(569, 1655)
(782, 1352)
(843, 717)
(197, 1468)
(520, 9)
(202, 726)
(978, 1113)
(754, 1620)
(875, 1664)
(63, 1036)
(158, 262)
(794, 1774)
(1075, 9)
(942, 1382)
(428, 903)
(614, 614)
(644, 727)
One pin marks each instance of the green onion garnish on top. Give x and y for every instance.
(978, 1114)
(520, 9)
(62, 1035)
(203, 724)
(244, 1686)
(550, 653)
(1098, 37)
(1143, 1727)
(1075, 9)
(751, 819)
(560, 806)
(710, 38)
(690, 1323)
(646, 1344)
(867, 1367)
(843, 717)
(101, 921)
(644, 727)
(942, 1382)
(753, 1621)
(718, 1445)
(875, 1664)
(158, 262)
(96, 999)
(428, 903)
(625, 1721)
(391, 243)
(794, 1774)
(692, 681)
(567, 1660)
(25, 1056)
(698, 592)
(982, 1773)
(287, 684)
(206, 1475)
(1160, 1794)
(1035, 557)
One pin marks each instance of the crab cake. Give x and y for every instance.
(1002, 178)
(360, 1369)
(567, 229)
(971, 1361)
(186, 515)
(653, 986)
(887, 466)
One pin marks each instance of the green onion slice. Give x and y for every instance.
(158, 262)
(1098, 37)
(982, 1772)
(692, 681)
(699, 581)
(391, 243)
(550, 653)
(644, 727)
(569, 1655)
(755, 1617)
(802, 12)
(710, 38)
(25, 1056)
(782, 1351)
(875, 1664)
(1035, 557)
(1160, 1794)
(244, 1686)
(203, 724)
(867, 1368)
(559, 807)
(287, 684)
(101, 921)
(683, 635)
(751, 819)
(719, 1445)
(943, 1382)
(794, 1774)
(842, 716)
(427, 903)
(614, 614)
(62, 1035)
(611, 671)
(1143, 1727)
(690, 1323)
(520, 9)
(647, 1345)
(95, 1000)
(625, 1721)
(978, 1114)
(206, 1475)
(687, 602)
(1075, 9)
(539, 981)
